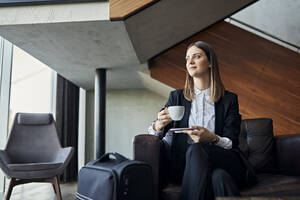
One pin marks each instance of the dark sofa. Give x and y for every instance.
(276, 160)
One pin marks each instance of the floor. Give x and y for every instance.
(44, 191)
(41, 191)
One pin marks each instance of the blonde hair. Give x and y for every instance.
(216, 86)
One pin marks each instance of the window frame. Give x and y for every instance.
(6, 56)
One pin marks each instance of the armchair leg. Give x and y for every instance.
(54, 188)
(54, 181)
(57, 188)
(11, 185)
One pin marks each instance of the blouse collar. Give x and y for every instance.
(205, 91)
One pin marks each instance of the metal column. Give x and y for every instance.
(100, 106)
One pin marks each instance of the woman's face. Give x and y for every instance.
(197, 62)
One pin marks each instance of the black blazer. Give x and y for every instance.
(227, 124)
(227, 117)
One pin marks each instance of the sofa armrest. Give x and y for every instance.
(288, 154)
(148, 148)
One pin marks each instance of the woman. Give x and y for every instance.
(206, 159)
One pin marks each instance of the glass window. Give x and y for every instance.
(31, 85)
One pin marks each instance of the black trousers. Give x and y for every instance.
(211, 171)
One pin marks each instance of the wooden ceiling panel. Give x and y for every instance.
(121, 9)
(266, 76)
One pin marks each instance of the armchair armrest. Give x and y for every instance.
(148, 148)
(288, 154)
(4, 160)
(64, 155)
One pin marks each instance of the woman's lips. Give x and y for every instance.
(192, 67)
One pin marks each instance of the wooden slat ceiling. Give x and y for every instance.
(121, 9)
(266, 76)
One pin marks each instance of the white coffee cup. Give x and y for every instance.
(176, 112)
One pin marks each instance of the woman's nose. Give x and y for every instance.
(191, 61)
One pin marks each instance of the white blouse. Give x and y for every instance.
(202, 110)
(202, 114)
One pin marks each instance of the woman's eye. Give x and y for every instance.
(197, 56)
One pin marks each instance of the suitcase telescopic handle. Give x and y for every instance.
(118, 157)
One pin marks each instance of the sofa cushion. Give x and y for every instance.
(274, 185)
(267, 185)
(171, 192)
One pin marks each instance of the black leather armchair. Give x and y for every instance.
(275, 160)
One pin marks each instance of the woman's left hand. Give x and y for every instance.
(201, 134)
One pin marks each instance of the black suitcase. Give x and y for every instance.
(114, 177)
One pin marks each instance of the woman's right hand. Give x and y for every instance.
(163, 118)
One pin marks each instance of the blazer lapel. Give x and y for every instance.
(218, 117)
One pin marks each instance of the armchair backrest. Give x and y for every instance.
(257, 142)
(33, 138)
